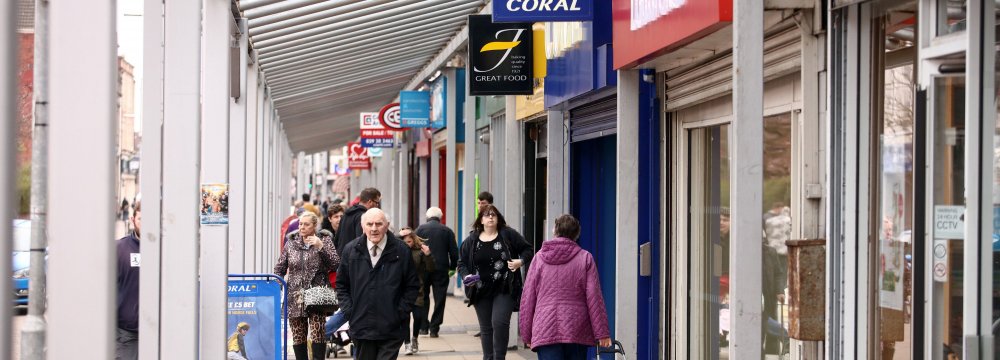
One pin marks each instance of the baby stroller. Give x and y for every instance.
(340, 340)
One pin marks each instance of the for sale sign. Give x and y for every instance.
(373, 133)
(357, 157)
(500, 57)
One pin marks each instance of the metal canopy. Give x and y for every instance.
(327, 61)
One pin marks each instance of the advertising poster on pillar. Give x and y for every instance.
(357, 157)
(215, 204)
(438, 102)
(415, 109)
(253, 319)
(373, 133)
(500, 57)
(892, 241)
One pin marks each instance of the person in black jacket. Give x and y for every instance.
(444, 247)
(377, 288)
(350, 225)
(489, 264)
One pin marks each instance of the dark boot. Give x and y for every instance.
(301, 351)
(319, 350)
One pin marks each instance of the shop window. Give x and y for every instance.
(951, 15)
(895, 215)
(708, 189)
(777, 225)
(948, 208)
(996, 208)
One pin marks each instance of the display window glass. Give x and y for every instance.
(894, 180)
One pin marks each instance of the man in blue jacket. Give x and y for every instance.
(377, 287)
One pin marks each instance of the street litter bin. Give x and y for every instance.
(807, 289)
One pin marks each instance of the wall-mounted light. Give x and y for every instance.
(485, 138)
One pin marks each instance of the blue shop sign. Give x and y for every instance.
(415, 109)
(542, 10)
(439, 118)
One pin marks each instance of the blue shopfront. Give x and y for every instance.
(582, 84)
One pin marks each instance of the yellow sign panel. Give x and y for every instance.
(529, 105)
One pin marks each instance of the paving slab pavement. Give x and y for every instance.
(456, 340)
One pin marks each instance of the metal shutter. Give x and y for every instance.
(706, 81)
(594, 120)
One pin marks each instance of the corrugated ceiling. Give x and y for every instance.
(326, 61)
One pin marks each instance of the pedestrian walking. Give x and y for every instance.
(129, 261)
(377, 286)
(424, 263)
(304, 263)
(486, 198)
(123, 211)
(350, 224)
(562, 309)
(444, 247)
(331, 222)
(489, 264)
(236, 346)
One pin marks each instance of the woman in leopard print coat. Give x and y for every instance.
(305, 261)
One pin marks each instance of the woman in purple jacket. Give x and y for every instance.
(562, 310)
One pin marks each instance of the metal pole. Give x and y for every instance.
(33, 332)
(451, 164)
(151, 175)
(556, 169)
(627, 220)
(215, 137)
(513, 183)
(746, 154)
(181, 164)
(81, 262)
(8, 59)
(237, 163)
(465, 203)
(250, 223)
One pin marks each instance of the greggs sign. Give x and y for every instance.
(645, 29)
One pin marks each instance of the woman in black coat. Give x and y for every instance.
(490, 263)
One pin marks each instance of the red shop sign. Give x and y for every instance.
(357, 157)
(645, 29)
(389, 116)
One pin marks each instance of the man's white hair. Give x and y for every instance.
(434, 212)
(373, 212)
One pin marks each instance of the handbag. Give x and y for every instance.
(320, 299)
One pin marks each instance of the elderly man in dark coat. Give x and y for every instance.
(444, 248)
(377, 287)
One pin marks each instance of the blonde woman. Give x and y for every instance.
(304, 262)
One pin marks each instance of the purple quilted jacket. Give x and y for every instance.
(562, 301)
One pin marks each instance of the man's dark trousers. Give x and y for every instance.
(377, 349)
(439, 282)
